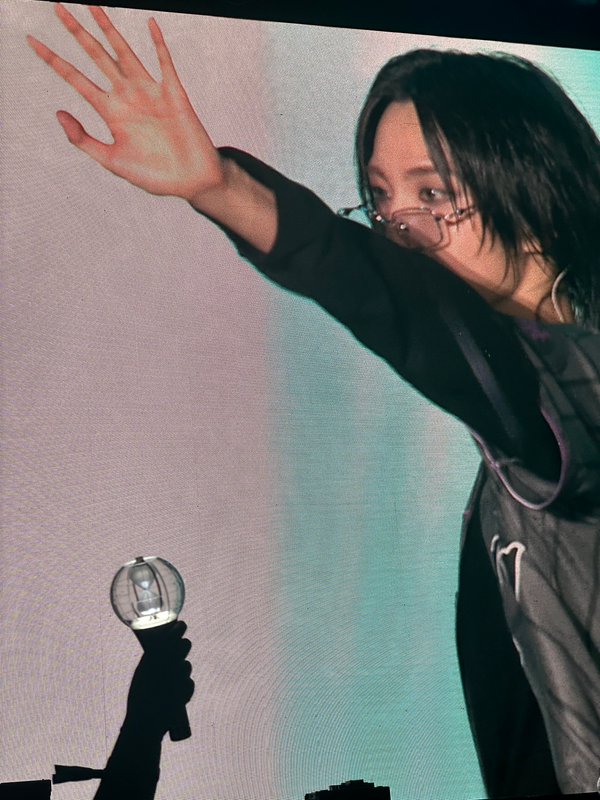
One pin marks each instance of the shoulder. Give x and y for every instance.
(567, 361)
(557, 342)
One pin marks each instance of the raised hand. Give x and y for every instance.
(161, 684)
(159, 144)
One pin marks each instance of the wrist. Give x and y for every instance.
(136, 727)
(209, 198)
(242, 205)
(133, 768)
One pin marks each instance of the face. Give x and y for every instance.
(402, 175)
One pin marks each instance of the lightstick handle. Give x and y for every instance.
(149, 638)
(180, 727)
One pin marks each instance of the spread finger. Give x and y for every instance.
(86, 88)
(91, 45)
(129, 63)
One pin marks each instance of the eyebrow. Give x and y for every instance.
(425, 169)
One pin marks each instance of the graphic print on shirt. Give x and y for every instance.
(508, 564)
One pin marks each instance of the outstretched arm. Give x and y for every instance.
(159, 144)
(430, 326)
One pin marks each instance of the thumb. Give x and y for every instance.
(78, 136)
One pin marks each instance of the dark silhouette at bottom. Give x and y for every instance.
(351, 790)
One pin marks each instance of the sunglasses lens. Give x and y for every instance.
(416, 229)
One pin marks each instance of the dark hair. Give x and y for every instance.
(527, 156)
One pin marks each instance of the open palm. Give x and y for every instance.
(159, 144)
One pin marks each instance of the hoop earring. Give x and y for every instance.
(554, 295)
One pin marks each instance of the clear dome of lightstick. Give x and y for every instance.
(147, 592)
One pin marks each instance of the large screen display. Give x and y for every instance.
(161, 397)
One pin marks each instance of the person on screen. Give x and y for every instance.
(477, 280)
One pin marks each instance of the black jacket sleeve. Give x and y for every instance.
(429, 325)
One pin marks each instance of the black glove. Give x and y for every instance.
(161, 684)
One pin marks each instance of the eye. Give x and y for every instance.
(433, 196)
(377, 192)
(379, 196)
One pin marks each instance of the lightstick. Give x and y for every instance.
(147, 594)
